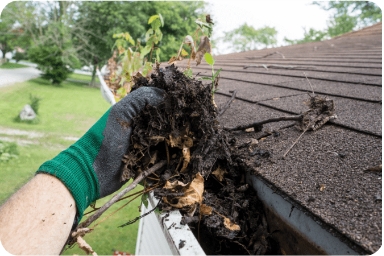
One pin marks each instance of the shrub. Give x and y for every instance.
(49, 61)
(19, 56)
(34, 102)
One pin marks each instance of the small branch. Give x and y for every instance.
(227, 105)
(294, 143)
(313, 92)
(114, 199)
(260, 123)
(278, 66)
(279, 53)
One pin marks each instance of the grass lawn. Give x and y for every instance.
(65, 111)
(9, 65)
(81, 77)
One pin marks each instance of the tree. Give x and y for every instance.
(49, 26)
(346, 16)
(97, 22)
(309, 36)
(11, 33)
(366, 13)
(245, 37)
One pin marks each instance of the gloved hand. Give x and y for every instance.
(90, 168)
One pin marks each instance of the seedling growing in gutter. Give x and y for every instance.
(215, 74)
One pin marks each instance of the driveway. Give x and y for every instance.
(12, 76)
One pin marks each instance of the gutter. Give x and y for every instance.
(296, 230)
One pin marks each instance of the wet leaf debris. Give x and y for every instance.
(204, 177)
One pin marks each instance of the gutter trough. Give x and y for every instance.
(295, 229)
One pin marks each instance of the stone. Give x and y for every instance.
(27, 113)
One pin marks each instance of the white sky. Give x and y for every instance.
(288, 17)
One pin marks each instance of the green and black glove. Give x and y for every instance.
(90, 168)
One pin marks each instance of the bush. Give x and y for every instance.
(50, 62)
(19, 56)
(34, 102)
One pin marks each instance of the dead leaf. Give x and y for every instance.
(173, 59)
(187, 157)
(174, 185)
(205, 209)
(153, 158)
(204, 47)
(219, 173)
(230, 225)
(193, 194)
(208, 19)
(83, 245)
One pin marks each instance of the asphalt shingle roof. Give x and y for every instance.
(346, 69)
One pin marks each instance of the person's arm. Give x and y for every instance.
(38, 218)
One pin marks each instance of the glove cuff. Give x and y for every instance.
(74, 166)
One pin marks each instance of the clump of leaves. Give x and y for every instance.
(8, 151)
(132, 61)
(204, 30)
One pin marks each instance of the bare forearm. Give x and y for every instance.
(38, 218)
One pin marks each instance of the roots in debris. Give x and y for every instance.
(204, 177)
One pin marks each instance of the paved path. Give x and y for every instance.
(12, 76)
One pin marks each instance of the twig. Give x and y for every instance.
(294, 143)
(313, 92)
(260, 123)
(116, 197)
(282, 55)
(227, 105)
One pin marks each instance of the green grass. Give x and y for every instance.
(65, 111)
(107, 236)
(69, 109)
(81, 77)
(9, 65)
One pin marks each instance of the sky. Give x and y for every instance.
(288, 17)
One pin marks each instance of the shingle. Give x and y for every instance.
(254, 92)
(348, 70)
(356, 114)
(337, 158)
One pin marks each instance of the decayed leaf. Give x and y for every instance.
(321, 111)
(230, 225)
(173, 185)
(173, 59)
(175, 141)
(193, 194)
(205, 209)
(219, 173)
(83, 245)
(78, 235)
(187, 157)
(204, 47)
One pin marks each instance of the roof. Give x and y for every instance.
(272, 83)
